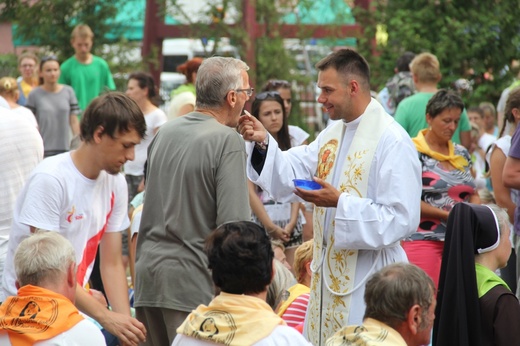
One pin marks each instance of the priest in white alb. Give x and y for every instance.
(370, 176)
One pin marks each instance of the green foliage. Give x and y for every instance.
(8, 65)
(273, 61)
(463, 34)
(121, 63)
(49, 23)
(271, 58)
(55, 20)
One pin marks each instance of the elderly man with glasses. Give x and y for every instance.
(196, 180)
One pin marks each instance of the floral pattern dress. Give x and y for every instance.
(443, 189)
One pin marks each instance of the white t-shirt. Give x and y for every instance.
(485, 141)
(180, 100)
(298, 136)
(3, 103)
(85, 333)
(281, 336)
(21, 149)
(57, 197)
(26, 114)
(154, 120)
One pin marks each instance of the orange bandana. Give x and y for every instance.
(37, 314)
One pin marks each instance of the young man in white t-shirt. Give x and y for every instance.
(82, 195)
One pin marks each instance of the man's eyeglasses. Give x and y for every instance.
(267, 94)
(248, 91)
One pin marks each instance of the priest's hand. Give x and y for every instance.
(327, 196)
(251, 128)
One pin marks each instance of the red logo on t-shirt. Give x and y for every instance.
(71, 216)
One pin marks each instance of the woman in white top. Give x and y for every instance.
(142, 89)
(9, 91)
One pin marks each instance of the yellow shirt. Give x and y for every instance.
(26, 88)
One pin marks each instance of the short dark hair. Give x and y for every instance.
(115, 112)
(145, 80)
(240, 258)
(403, 62)
(347, 62)
(476, 109)
(392, 291)
(442, 100)
(284, 139)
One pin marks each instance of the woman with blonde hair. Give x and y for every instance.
(293, 310)
(10, 92)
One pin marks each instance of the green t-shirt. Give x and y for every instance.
(411, 115)
(88, 81)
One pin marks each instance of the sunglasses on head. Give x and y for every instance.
(49, 58)
(277, 83)
(267, 94)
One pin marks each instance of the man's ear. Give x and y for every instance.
(17, 285)
(274, 270)
(415, 79)
(308, 268)
(231, 98)
(71, 275)
(353, 86)
(414, 319)
(98, 134)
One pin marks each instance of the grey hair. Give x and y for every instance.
(391, 292)
(283, 279)
(42, 257)
(215, 78)
(442, 100)
(502, 217)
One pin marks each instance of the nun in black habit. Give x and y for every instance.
(475, 307)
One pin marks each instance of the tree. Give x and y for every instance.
(50, 22)
(465, 35)
(273, 61)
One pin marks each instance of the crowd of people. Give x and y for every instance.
(140, 228)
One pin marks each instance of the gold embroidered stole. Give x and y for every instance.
(334, 269)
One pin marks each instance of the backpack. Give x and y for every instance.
(399, 87)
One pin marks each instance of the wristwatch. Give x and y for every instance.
(262, 146)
